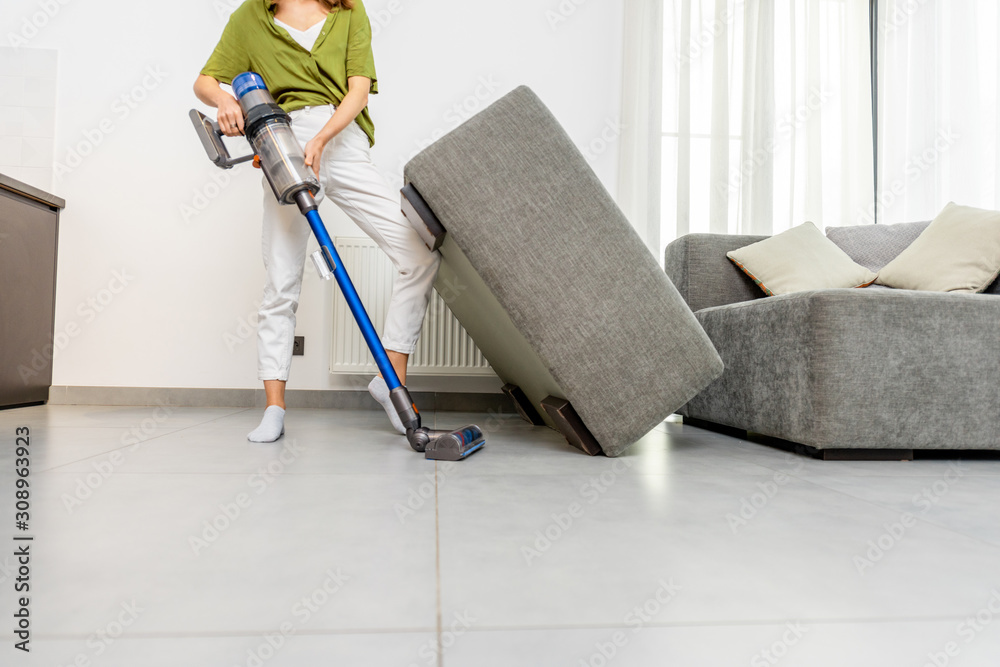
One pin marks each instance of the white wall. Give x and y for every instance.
(27, 114)
(159, 266)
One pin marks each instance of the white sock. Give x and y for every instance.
(271, 426)
(380, 392)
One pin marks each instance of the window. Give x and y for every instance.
(768, 114)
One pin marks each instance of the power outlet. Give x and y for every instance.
(299, 346)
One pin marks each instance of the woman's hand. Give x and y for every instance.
(230, 115)
(347, 111)
(314, 152)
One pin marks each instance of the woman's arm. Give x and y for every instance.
(211, 93)
(347, 111)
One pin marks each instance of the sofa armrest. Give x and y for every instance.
(701, 272)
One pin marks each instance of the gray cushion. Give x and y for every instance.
(874, 246)
(523, 207)
(847, 368)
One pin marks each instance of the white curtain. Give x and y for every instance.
(642, 96)
(767, 117)
(938, 114)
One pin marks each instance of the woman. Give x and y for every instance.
(316, 58)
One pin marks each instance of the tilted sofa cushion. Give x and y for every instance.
(553, 283)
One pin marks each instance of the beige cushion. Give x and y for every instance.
(958, 252)
(797, 260)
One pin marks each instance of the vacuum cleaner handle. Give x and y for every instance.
(211, 138)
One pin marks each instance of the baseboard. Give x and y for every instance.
(250, 398)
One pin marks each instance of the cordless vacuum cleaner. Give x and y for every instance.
(277, 152)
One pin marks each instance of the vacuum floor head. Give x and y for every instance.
(447, 445)
(456, 445)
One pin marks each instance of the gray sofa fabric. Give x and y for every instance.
(697, 265)
(522, 206)
(845, 369)
(874, 246)
(871, 368)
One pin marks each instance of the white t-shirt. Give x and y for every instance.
(307, 38)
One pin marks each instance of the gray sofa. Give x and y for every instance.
(846, 373)
(551, 281)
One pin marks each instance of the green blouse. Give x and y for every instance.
(298, 78)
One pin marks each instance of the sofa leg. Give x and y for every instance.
(524, 407)
(570, 425)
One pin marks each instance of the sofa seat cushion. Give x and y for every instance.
(848, 368)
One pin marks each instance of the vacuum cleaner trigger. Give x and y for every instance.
(211, 140)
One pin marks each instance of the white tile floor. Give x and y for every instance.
(167, 539)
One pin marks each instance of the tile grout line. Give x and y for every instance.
(437, 565)
(521, 628)
(227, 634)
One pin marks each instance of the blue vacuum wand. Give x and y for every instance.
(279, 155)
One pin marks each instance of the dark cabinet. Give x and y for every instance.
(29, 234)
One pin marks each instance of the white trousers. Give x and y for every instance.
(350, 180)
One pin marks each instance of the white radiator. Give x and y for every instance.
(444, 347)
